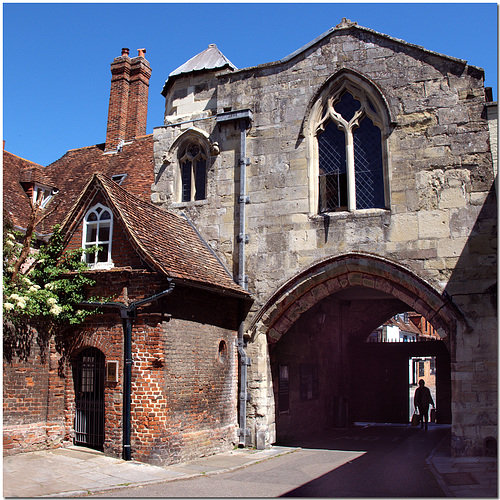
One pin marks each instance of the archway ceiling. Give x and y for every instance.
(353, 277)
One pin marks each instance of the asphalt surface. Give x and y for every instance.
(363, 461)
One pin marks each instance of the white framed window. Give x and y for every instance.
(97, 234)
(42, 194)
(347, 152)
(119, 178)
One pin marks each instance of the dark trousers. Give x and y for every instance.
(424, 414)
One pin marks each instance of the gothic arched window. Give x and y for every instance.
(97, 234)
(193, 172)
(347, 137)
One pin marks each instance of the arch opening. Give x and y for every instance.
(325, 374)
(89, 381)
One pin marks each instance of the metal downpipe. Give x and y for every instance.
(128, 313)
(128, 317)
(244, 437)
(244, 117)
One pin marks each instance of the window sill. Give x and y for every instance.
(357, 214)
(101, 266)
(184, 204)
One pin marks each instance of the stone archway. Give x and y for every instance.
(354, 269)
(344, 276)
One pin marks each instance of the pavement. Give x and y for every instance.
(77, 471)
(466, 477)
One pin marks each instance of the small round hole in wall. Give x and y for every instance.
(222, 355)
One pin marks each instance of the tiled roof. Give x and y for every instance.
(35, 174)
(408, 327)
(72, 171)
(166, 241)
(15, 201)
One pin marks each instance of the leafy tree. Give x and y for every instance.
(42, 290)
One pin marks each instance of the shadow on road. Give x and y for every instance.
(392, 465)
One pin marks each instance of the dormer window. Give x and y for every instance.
(119, 178)
(97, 234)
(42, 194)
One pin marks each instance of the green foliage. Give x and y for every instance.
(47, 293)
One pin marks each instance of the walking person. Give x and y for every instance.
(422, 400)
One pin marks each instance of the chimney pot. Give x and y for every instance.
(142, 52)
(125, 51)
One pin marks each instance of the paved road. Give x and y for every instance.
(361, 462)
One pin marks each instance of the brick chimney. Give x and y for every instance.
(128, 98)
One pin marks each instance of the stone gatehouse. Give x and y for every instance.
(349, 181)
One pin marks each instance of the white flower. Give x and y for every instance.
(21, 301)
(34, 288)
(52, 301)
(49, 286)
(55, 310)
(9, 243)
(8, 306)
(11, 236)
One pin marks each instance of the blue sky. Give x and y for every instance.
(56, 74)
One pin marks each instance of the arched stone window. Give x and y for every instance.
(193, 171)
(97, 234)
(347, 133)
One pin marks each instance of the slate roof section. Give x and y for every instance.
(167, 242)
(209, 59)
(15, 200)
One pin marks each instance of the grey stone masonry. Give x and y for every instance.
(439, 219)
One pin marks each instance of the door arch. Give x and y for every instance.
(364, 291)
(88, 379)
(336, 274)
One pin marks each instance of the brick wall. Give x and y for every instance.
(33, 402)
(184, 375)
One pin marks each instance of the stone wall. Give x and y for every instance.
(439, 222)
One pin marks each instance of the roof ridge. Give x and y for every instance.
(347, 26)
(138, 200)
(24, 159)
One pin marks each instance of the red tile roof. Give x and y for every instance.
(167, 242)
(72, 171)
(15, 200)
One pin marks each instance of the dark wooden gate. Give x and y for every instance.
(88, 376)
(379, 380)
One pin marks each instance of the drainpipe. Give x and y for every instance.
(244, 117)
(128, 314)
(243, 282)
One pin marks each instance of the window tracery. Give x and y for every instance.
(347, 143)
(193, 172)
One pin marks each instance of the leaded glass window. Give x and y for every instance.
(350, 154)
(193, 170)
